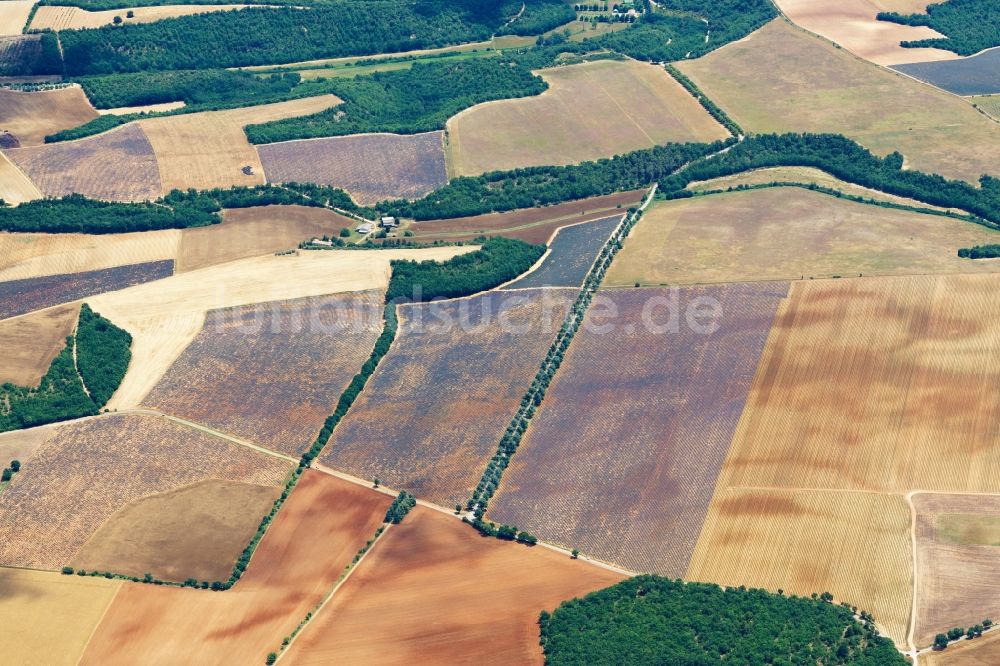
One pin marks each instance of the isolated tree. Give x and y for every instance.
(117, 20)
(458, 509)
(6, 475)
(130, 14)
(15, 465)
(575, 554)
(940, 642)
(375, 483)
(345, 232)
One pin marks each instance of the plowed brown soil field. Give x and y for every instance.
(783, 79)
(958, 552)
(30, 116)
(320, 528)
(88, 470)
(592, 110)
(433, 412)
(433, 591)
(786, 233)
(29, 343)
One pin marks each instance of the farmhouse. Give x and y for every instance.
(365, 228)
(320, 241)
(389, 222)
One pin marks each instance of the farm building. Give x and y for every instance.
(389, 222)
(365, 228)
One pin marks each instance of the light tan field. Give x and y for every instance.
(209, 149)
(592, 110)
(197, 531)
(852, 24)
(75, 18)
(797, 174)
(148, 108)
(165, 316)
(876, 384)
(989, 103)
(983, 651)
(435, 592)
(783, 79)
(47, 617)
(958, 552)
(15, 187)
(247, 232)
(29, 343)
(853, 545)
(31, 255)
(787, 233)
(29, 116)
(22, 444)
(13, 16)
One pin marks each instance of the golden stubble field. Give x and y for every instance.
(785, 233)
(30, 116)
(13, 16)
(30, 343)
(783, 79)
(75, 18)
(592, 110)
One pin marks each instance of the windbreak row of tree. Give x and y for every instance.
(848, 161)
(275, 35)
(653, 620)
(713, 109)
(980, 252)
(497, 261)
(941, 641)
(102, 355)
(406, 101)
(970, 25)
(399, 508)
(540, 186)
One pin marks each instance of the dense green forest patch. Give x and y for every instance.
(499, 260)
(653, 620)
(980, 252)
(103, 352)
(191, 86)
(419, 99)
(970, 25)
(267, 36)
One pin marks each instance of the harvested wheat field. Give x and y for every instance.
(14, 16)
(118, 165)
(164, 317)
(797, 175)
(31, 342)
(197, 531)
(958, 551)
(271, 373)
(434, 591)
(52, 616)
(432, 414)
(31, 255)
(669, 397)
(19, 297)
(249, 232)
(879, 384)
(983, 651)
(75, 18)
(370, 167)
(317, 532)
(15, 187)
(532, 225)
(854, 545)
(782, 79)
(852, 24)
(592, 110)
(209, 149)
(22, 444)
(30, 116)
(88, 470)
(786, 233)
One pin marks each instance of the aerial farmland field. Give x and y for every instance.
(18, 297)
(14, 16)
(370, 167)
(54, 506)
(319, 529)
(592, 110)
(786, 233)
(271, 373)
(829, 90)
(405, 604)
(958, 548)
(118, 165)
(75, 18)
(571, 254)
(15, 187)
(990, 104)
(30, 343)
(439, 401)
(671, 411)
(30, 116)
(975, 75)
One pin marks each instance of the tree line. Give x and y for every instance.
(653, 620)
(969, 25)
(980, 252)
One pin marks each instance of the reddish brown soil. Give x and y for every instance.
(318, 531)
(435, 592)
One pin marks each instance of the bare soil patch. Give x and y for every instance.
(434, 591)
(30, 343)
(197, 531)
